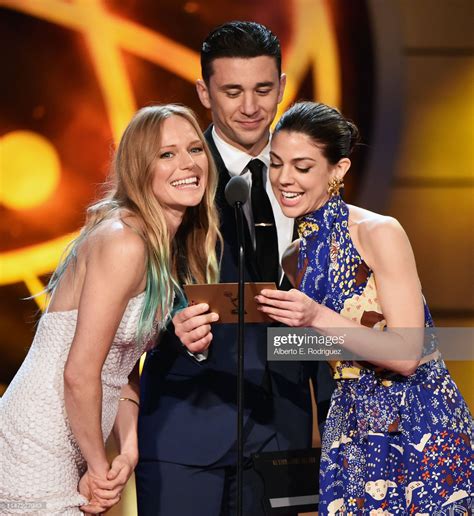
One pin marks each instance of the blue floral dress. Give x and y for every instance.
(391, 444)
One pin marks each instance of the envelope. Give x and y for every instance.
(222, 298)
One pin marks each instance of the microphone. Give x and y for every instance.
(237, 191)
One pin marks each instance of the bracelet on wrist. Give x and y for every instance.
(131, 400)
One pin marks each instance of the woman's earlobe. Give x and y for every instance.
(345, 164)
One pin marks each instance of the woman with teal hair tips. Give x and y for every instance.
(115, 289)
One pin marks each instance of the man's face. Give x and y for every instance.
(243, 95)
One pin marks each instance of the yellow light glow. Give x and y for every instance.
(141, 363)
(27, 263)
(34, 285)
(29, 172)
(313, 44)
(38, 258)
(107, 35)
(109, 66)
(126, 34)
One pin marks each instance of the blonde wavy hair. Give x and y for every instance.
(191, 256)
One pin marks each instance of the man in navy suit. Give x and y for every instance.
(187, 423)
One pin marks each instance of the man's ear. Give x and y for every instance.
(203, 93)
(282, 87)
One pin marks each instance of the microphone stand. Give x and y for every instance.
(240, 358)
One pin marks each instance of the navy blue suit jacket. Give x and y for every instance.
(188, 409)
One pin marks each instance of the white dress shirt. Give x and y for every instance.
(236, 162)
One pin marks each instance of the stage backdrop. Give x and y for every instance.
(75, 71)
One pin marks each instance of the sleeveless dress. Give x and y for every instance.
(391, 444)
(41, 462)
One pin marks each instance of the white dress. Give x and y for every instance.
(40, 460)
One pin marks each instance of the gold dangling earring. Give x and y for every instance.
(334, 186)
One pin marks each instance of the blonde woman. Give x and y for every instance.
(115, 288)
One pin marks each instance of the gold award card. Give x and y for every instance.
(222, 299)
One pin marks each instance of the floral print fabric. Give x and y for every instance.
(391, 444)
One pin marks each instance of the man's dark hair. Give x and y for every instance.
(239, 39)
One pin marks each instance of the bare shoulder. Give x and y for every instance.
(372, 228)
(289, 260)
(116, 241)
(381, 238)
(291, 251)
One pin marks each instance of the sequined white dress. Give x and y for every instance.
(41, 463)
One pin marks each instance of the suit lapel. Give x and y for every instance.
(227, 214)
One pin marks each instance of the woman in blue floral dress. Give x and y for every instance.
(398, 437)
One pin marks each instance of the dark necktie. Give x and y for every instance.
(266, 240)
